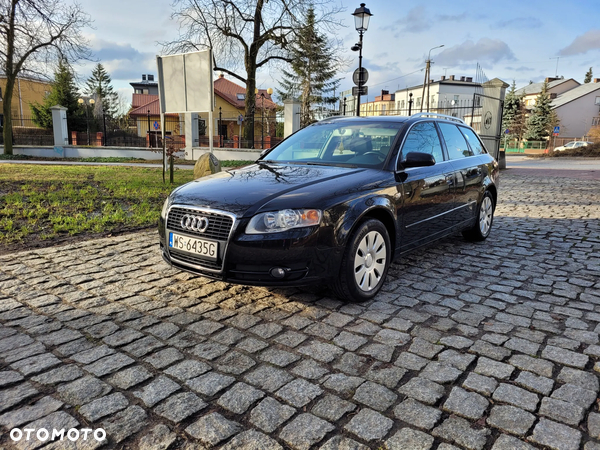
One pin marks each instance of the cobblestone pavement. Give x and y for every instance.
(476, 346)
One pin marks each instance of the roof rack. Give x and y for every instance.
(444, 116)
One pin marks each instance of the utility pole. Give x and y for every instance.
(427, 76)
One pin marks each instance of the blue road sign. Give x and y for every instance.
(556, 129)
(156, 125)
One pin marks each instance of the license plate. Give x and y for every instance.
(200, 247)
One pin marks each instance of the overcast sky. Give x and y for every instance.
(514, 39)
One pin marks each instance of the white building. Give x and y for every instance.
(578, 109)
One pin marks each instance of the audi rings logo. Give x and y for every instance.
(194, 223)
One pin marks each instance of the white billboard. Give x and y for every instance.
(185, 82)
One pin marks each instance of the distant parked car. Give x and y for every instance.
(335, 202)
(572, 144)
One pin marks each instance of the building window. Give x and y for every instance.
(456, 99)
(418, 103)
(241, 96)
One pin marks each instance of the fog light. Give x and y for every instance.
(277, 272)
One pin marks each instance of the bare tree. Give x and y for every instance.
(245, 34)
(33, 34)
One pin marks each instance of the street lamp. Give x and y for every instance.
(91, 102)
(362, 16)
(427, 77)
(262, 122)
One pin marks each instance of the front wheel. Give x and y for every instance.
(365, 263)
(485, 218)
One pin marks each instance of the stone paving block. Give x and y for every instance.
(269, 414)
(491, 368)
(440, 373)
(583, 379)
(103, 406)
(143, 346)
(252, 345)
(555, 436)
(342, 383)
(562, 411)
(180, 406)
(129, 377)
(385, 374)
(522, 345)
(425, 349)
(164, 358)
(593, 424)
(466, 404)
(101, 330)
(93, 354)
(369, 425)
(392, 337)
(36, 364)
(235, 362)
(291, 339)
(20, 353)
(210, 383)
(268, 378)
(278, 357)
(109, 364)
(83, 390)
(455, 359)
(506, 442)
(349, 341)
(511, 419)
(321, 351)
(375, 396)
(380, 352)
(125, 423)
(29, 413)
(351, 364)
(61, 374)
(575, 394)
(209, 350)
(252, 440)
(305, 431)
(332, 408)
(458, 342)
(565, 357)
(422, 390)
(481, 384)
(55, 421)
(187, 369)
(159, 438)
(484, 348)
(516, 396)
(342, 443)
(299, 392)
(309, 369)
(417, 414)
(157, 390)
(213, 428)
(458, 430)
(535, 365)
(408, 438)
(239, 397)
(539, 384)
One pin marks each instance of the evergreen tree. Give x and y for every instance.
(64, 93)
(99, 86)
(313, 70)
(542, 119)
(513, 116)
(588, 76)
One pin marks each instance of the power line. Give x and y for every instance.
(397, 78)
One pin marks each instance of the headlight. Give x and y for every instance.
(165, 208)
(277, 221)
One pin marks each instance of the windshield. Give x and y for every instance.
(360, 144)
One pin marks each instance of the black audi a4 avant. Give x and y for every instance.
(335, 202)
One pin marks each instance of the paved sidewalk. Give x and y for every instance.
(473, 346)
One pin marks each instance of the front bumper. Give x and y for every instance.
(306, 255)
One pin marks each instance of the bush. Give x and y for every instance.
(591, 151)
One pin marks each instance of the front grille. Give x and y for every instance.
(219, 225)
(191, 259)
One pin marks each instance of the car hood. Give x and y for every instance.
(244, 191)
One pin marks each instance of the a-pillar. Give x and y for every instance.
(192, 138)
(291, 113)
(59, 126)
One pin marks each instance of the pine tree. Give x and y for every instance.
(542, 119)
(313, 70)
(99, 86)
(64, 93)
(588, 76)
(513, 116)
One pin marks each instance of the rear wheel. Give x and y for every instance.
(485, 218)
(365, 263)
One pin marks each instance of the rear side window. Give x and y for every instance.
(473, 141)
(455, 141)
(423, 138)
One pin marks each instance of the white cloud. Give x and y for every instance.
(590, 40)
(485, 50)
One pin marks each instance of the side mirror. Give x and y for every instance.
(417, 159)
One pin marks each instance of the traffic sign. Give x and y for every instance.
(360, 76)
(364, 90)
(240, 119)
(556, 130)
(156, 125)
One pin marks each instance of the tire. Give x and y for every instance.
(365, 263)
(485, 218)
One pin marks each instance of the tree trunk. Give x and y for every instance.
(250, 95)
(6, 111)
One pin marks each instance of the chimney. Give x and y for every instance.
(551, 79)
(150, 77)
(144, 77)
(470, 79)
(553, 95)
(596, 80)
(462, 78)
(384, 92)
(452, 77)
(443, 77)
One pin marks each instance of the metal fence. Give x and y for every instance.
(25, 131)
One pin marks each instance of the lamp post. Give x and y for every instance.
(362, 16)
(262, 119)
(90, 102)
(427, 76)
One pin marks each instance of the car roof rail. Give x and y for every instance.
(434, 115)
